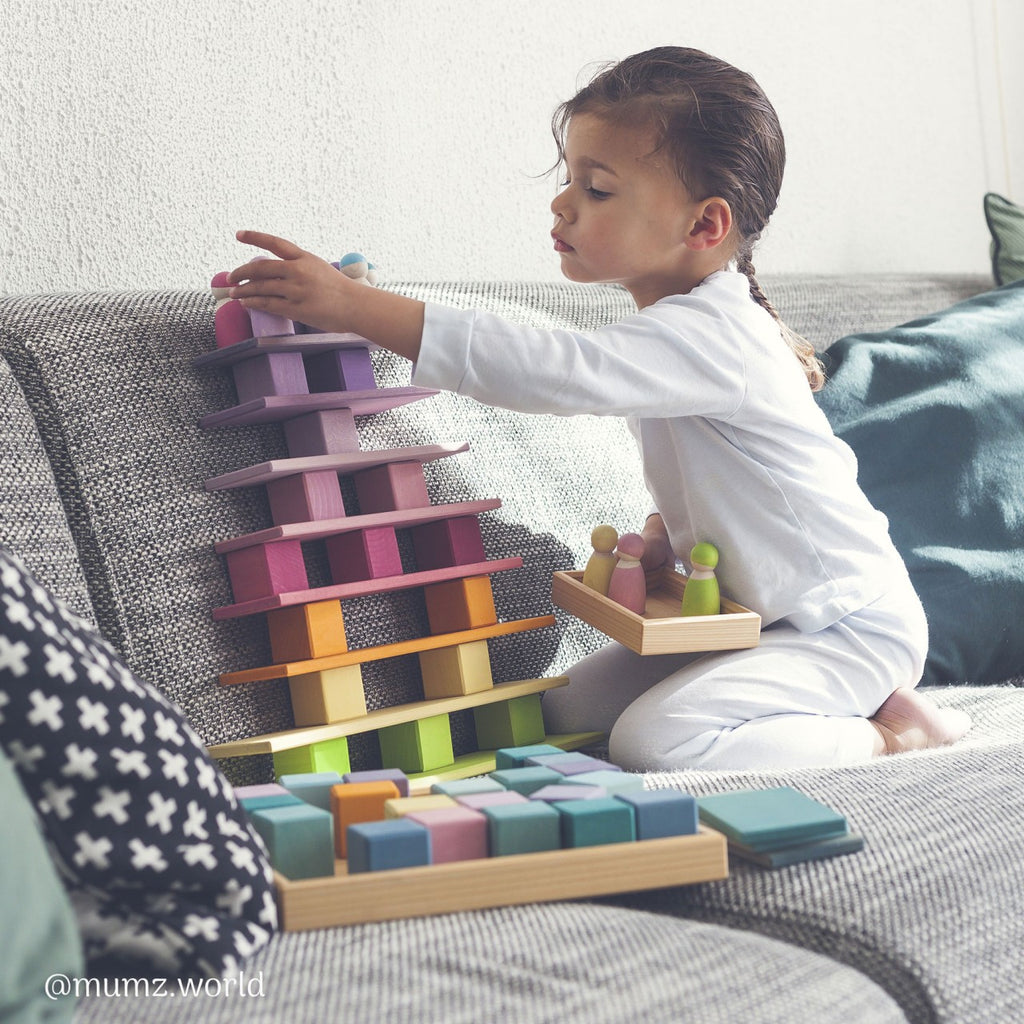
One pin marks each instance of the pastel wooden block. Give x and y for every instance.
(302, 632)
(527, 779)
(572, 763)
(451, 671)
(463, 787)
(460, 604)
(528, 827)
(259, 789)
(298, 838)
(313, 787)
(478, 801)
(329, 695)
(356, 802)
(662, 812)
(254, 798)
(260, 803)
(615, 782)
(419, 746)
(559, 791)
(456, 833)
(231, 324)
(448, 542)
(364, 555)
(403, 805)
(596, 822)
(516, 757)
(323, 756)
(395, 775)
(265, 570)
(270, 325)
(326, 432)
(273, 373)
(511, 723)
(305, 498)
(387, 845)
(390, 487)
(344, 369)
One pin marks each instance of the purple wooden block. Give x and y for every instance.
(305, 498)
(269, 325)
(572, 763)
(231, 324)
(322, 433)
(456, 833)
(344, 369)
(553, 794)
(273, 373)
(264, 570)
(261, 789)
(478, 800)
(390, 487)
(395, 775)
(447, 543)
(364, 555)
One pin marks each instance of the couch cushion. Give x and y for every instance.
(552, 963)
(932, 411)
(933, 907)
(1006, 223)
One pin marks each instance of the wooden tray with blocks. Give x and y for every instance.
(500, 881)
(661, 629)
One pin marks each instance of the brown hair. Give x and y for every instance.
(721, 133)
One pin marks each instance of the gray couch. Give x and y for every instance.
(102, 496)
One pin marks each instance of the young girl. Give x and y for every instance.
(673, 165)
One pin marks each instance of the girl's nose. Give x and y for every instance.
(561, 206)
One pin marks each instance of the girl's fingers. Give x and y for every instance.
(280, 247)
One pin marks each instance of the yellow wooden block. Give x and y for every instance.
(332, 695)
(306, 631)
(460, 604)
(399, 807)
(453, 671)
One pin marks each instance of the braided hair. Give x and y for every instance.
(722, 135)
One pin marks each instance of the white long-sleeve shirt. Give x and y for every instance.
(735, 449)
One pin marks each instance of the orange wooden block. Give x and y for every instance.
(453, 671)
(460, 604)
(306, 631)
(354, 802)
(329, 695)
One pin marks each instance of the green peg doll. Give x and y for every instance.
(701, 596)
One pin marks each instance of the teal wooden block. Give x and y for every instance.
(516, 757)
(260, 803)
(463, 787)
(395, 775)
(595, 822)
(419, 746)
(299, 838)
(386, 845)
(527, 827)
(313, 787)
(526, 780)
(613, 781)
(560, 791)
(662, 812)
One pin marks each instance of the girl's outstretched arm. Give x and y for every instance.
(303, 287)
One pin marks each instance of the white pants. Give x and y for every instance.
(796, 700)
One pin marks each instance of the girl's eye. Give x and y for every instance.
(596, 193)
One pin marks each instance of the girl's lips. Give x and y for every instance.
(561, 246)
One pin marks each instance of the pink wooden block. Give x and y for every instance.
(478, 800)
(267, 569)
(231, 324)
(364, 555)
(269, 325)
(305, 498)
(322, 433)
(448, 542)
(278, 373)
(456, 833)
(345, 369)
(390, 487)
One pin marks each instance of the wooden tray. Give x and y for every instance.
(500, 881)
(661, 629)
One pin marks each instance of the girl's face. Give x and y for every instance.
(622, 215)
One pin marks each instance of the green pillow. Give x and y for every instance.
(1006, 222)
(40, 933)
(934, 411)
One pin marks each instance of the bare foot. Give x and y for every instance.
(909, 721)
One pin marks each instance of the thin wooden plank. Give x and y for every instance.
(360, 655)
(325, 342)
(275, 742)
(274, 408)
(361, 588)
(501, 881)
(342, 462)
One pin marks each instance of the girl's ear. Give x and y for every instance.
(711, 224)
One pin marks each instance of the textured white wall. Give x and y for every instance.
(135, 137)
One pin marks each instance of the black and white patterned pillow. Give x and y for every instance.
(162, 865)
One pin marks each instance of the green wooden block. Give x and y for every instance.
(419, 746)
(596, 822)
(526, 827)
(509, 723)
(325, 756)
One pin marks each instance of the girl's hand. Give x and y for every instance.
(658, 553)
(297, 285)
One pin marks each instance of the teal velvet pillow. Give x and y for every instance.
(1006, 223)
(934, 411)
(40, 934)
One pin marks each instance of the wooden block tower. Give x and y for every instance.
(315, 384)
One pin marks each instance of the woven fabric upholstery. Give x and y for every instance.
(533, 965)
(933, 908)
